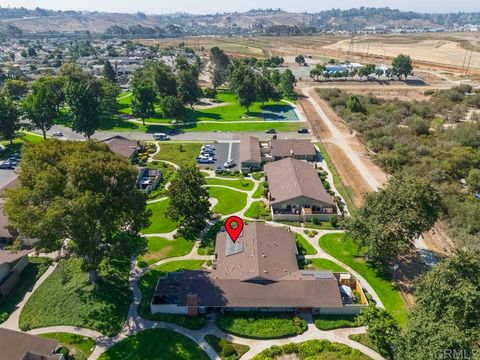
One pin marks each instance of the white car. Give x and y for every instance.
(161, 136)
(229, 164)
(58, 134)
(208, 148)
(205, 160)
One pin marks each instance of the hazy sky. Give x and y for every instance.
(212, 6)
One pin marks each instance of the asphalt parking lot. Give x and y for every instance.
(224, 151)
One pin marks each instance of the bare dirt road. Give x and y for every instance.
(349, 155)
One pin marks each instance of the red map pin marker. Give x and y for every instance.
(234, 233)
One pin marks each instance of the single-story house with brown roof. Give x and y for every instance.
(16, 345)
(123, 146)
(249, 155)
(148, 179)
(12, 263)
(296, 148)
(257, 272)
(296, 192)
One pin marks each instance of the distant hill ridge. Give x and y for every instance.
(263, 21)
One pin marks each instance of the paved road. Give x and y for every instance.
(190, 136)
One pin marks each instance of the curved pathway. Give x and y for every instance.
(135, 324)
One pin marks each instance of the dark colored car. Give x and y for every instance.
(271, 131)
(303, 131)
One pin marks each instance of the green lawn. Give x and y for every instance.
(220, 344)
(364, 339)
(261, 325)
(160, 248)
(147, 284)
(345, 250)
(303, 246)
(159, 222)
(312, 350)
(241, 184)
(66, 298)
(259, 192)
(155, 344)
(20, 139)
(258, 210)
(229, 201)
(28, 278)
(80, 346)
(182, 154)
(331, 322)
(323, 264)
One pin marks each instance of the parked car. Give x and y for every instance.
(219, 170)
(303, 131)
(161, 137)
(13, 161)
(229, 164)
(205, 160)
(6, 165)
(57, 134)
(207, 153)
(271, 131)
(208, 147)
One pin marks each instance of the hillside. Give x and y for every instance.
(254, 21)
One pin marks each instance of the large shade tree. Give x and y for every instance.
(42, 104)
(9, 118)
(445, 319)
(189, 200)
(76, 190)
(391, 219)
(402, 66)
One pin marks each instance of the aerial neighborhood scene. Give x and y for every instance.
(266, 180)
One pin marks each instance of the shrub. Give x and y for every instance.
(333, 221)
(210, 93)
(228, 350)
(315, 221)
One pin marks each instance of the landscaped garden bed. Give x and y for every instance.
(262, 325)
(312, 349)
(227, 350)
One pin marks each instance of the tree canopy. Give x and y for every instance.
(402, 66)
(76, 190)
(391, 219)
(9, 118)
(445, 318)
(189, 200)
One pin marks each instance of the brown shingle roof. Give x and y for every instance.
(122, 146)
(290, 147)
(268, 252)
(15, 345)
(291, 178)
(301, 292)
(8, 257)
(249, 149)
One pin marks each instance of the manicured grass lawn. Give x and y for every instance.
(261, 325)
(66, 298)
(258, 210)
(303, 246)
(241, 184)
(330, 322)
(364, 339)
(182, 154)
(160, 248)
(218, 344)
(345, 250)
(28, 278)
(313, 350)
(280, 126)
(323, 264)
(229, 201)
(159, 222)
(80, 346)
(147, 284)
(259, 192)
(155, 344)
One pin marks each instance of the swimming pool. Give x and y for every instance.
(279, 113)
